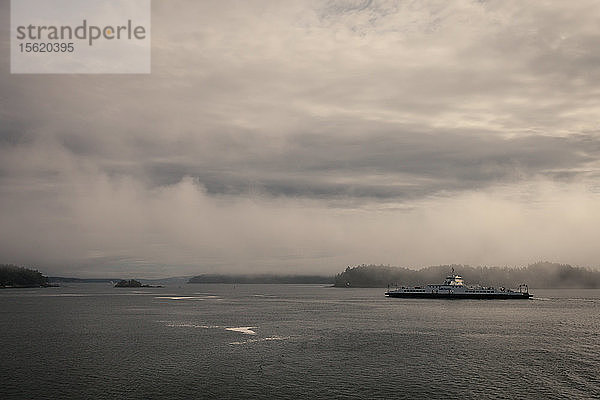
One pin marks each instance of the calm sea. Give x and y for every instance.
(93, 341)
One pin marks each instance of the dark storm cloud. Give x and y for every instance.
(393, 166)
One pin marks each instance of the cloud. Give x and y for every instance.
(311, 135)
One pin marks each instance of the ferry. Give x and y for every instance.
(455, 288)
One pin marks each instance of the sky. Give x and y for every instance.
(302, 137)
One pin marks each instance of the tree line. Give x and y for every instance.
(15, 276)
(538, 275)
(262, 278)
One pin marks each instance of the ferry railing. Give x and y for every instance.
(523, 288)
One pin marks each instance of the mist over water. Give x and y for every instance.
(294, 341)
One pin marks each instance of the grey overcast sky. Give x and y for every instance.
(301, 137)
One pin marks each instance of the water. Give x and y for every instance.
(293, 342)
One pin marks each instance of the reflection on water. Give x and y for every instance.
(294, 341)
(243, 329)
(261, 340)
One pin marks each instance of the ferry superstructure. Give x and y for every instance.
(455, 288)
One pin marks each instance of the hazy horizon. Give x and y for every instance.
(277, 137)
(301, 272)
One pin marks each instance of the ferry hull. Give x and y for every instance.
(480, 296)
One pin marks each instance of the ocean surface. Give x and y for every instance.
(210, 341)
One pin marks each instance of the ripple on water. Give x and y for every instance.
(247, 330)
(310, 343)
(266, 339)
(243, 329)
(186, 297)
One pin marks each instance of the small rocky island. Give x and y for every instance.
(132, 283)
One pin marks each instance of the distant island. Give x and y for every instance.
(263, 278)
(63, 279)
(12, 276)
(178, 280)
(538, 275)
(132, 283)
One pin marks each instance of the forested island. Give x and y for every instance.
(12, 276)
(263, 278)
(538, 275)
